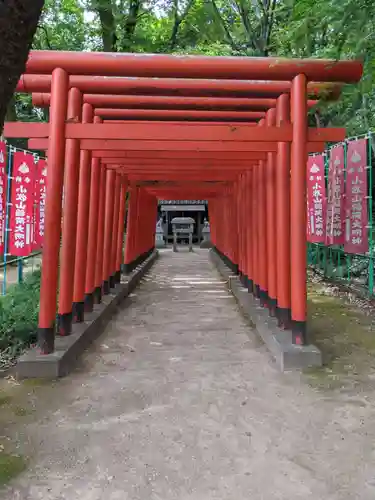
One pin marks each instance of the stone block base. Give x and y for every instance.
(288, 356)
(67, 349)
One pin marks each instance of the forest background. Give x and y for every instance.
(284, 28)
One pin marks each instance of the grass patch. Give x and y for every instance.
(346, 337)
(19, 318)
(20, 411)
(5, 399)
(37, 382)
(10, 467)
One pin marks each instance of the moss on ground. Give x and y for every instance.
(20, 411)
(4, 399)
(346, 337)
(10, 466)
(17, 405)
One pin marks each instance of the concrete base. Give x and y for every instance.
(205, 244)
(67, 349)
(279, 342)
(159, 240)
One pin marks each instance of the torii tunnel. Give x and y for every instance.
(231, 130)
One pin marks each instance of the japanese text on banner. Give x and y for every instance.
(316, 200)
(356, 238)
(335, 202)
(22, 201)
(40, 196)
(3, 188)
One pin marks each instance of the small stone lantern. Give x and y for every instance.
(159, 234)
(206, 234)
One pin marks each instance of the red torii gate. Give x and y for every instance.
(104, 160)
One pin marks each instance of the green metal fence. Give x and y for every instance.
(13, 270)
(353, 270)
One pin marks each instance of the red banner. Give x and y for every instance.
(40, 197)
(356, 238)
(3, 194)
(316, 200)
(335, 200)
(22, 201)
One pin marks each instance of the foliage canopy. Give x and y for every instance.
(290, 28)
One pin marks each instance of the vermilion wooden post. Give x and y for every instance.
(51, 247)
(139, 234)
(283, 217)
(221, 228)
(228, 214)
(262, 243)
(229, 217)
(249, 232)
(271, 221)
(92, 234)
(149, 223)
(148, 228)
(224, 212)
(116, 196)
(211, 210)
(135, 236)
(69, 226)
(121, 228)
(214, 214)
(153, 219)
(234, 235)
(82, 225)
(100, 237)
(237, 225)
(255, 231)
(130, 229)
(244, 228)
(298, 209)
(144, 218)
(138, 227)
(108, 229)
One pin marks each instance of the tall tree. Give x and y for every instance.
(18, 23)
(247, 25)
(108, 24)
(118, 22)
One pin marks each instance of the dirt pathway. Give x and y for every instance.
(179, 401)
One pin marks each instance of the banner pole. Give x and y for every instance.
(8, 203)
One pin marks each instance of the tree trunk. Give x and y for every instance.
(108, 25)
(11, 114)
(130, 25)
(18, 23)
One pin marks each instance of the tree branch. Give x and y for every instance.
(178, 19)
(46, 36)
(18, 23)
(224, 26)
